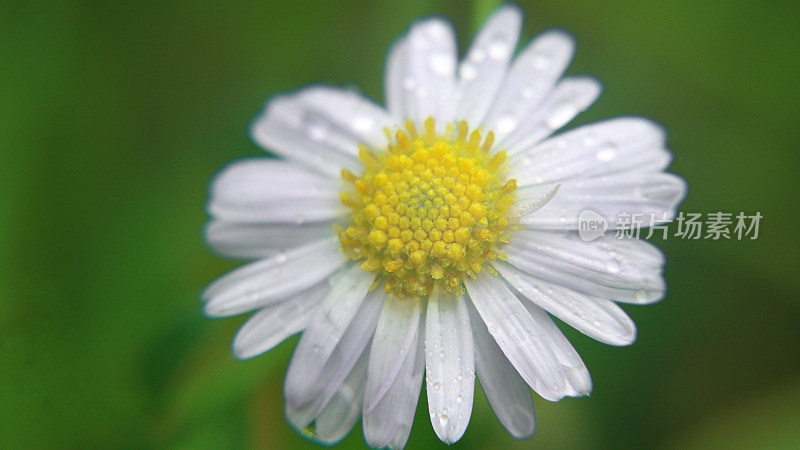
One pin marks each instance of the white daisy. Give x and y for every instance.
(438, 235)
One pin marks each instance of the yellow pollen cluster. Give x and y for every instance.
(429, 209)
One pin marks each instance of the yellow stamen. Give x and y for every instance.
(430, 209)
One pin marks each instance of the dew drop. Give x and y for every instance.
(459, 398)
(541, 61)
(606, 153)
(444, 420)
(317, 349)
(441, 355)
(527, 92)
(437, 385)
(506, 123)
(317, 127)
(612, 266)
(590, 140)
(442, 64)
(499, 48)
(363, 123)
(468, 71)
(642, 296)
(561, 114)
(477, 56)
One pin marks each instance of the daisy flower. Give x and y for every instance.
(435, 238)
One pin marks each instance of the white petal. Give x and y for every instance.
(409, 395)
(312, 391)
(450, 367)
(623, 270)
(347, 118)
(613, 146)
(270, 280)
(305, 128)
(394, 90)
(407, 390)
(482, 72)
(269, 190)
(259, 240)
(530, 79)
(313, 356)
(397, 328)
(570, 97)
(532, 198)
(578, 381)
(428, 67)
(507, 392)
(274, 323)
(648, 195)
(517, 335)
(344, 408)
(389, 422)
(595, 317)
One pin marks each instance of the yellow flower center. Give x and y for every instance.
(429, 209)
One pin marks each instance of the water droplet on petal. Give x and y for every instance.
(499, 48)
(561, 114)
(527, 92)
(444, 420)
(606, 153)
(317, 127)
(363, 123)
(642, 296)
(477, 55)
(468, 71)
(506, 123)
(442, 64)
(540, 61)
(612, 266)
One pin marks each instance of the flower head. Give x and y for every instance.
(438, 235)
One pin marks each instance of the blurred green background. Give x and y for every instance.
(115, 115)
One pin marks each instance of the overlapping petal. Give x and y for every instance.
(420, 79)
(517, 334)
(530, 79)
(394, 374)
(333, 340)
(508, 394)
(260, 240)
(320, 128)
(622, 270)
(271, 280)
(481, 73)
(450, 366)
(273, 191)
